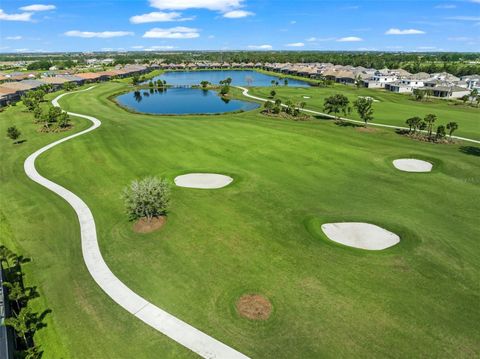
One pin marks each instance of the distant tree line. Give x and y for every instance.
(456, 63)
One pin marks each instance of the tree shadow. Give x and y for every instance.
(322, 117)
(400, 131)
(19, 142)
(347, 124)
(470, 150)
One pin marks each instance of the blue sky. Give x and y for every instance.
(125, 25)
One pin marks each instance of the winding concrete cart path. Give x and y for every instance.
(176, 329)
(245, 93)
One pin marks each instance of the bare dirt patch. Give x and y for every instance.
(144, 226)
(254, 307)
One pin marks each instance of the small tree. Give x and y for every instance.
(69, 86)
(37, 113)
(24, 324)
(13, 133)
(204, 83)
(272, 93)
(224, 90)
(336, 104)
(465, 98)
(268, 106)
(413, 123)
(29, 101)
(451, 127)
(285, 82)
(364, 108)
(358, 81)
(418, 94)
(63, 120)
(440, 133)
(473, 95)
(430, 120)
(135, 80)
(149, 197)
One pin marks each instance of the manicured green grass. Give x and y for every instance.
(259, 235)
(391, 108)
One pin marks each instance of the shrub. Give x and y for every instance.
(13, 133)
(148, 197)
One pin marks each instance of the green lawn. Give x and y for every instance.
(261, 234)
(391, 108)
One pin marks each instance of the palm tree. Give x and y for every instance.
(5, 255)
(16, 293)
(413, 123)
(430, 120)
(451, 127)
(473, 95)
(23, 324)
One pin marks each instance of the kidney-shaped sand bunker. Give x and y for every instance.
(412, 165)
(203, 180)
(360, 235)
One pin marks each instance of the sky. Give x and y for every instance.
(169, 25)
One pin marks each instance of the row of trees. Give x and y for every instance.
(289, 108)
(340, 104)
(24, 321)
(157, 84)
(51, 118)
(423, 128)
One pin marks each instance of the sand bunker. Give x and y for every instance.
(360, 235)
(412, 165)
(203, 180)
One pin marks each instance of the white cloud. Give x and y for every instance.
(179, 32)
(426, 47)
(237, 14)
(21, 50)
(102, 34)
(158, 16)
(25, 16)
(215, 5)
(295, 44)
(464, 18)
(159, 48)
(459, 38)
(260, 47)
(446, 6)
(311, 39)
(38, 7)
(106, 49)
(350, 39)
(394, 31)
(293, 22)
(13, 38)
(138, 47)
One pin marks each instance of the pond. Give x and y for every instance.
(181, 101)
(239, 78)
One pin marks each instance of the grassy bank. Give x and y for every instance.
(261, 235)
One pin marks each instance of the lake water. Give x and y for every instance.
(239, 78)
(181, 101)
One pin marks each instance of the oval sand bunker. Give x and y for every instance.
(412, 165)
(360, 235)
(203, 180)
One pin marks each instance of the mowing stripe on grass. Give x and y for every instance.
(245, 93)
(176, 329)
